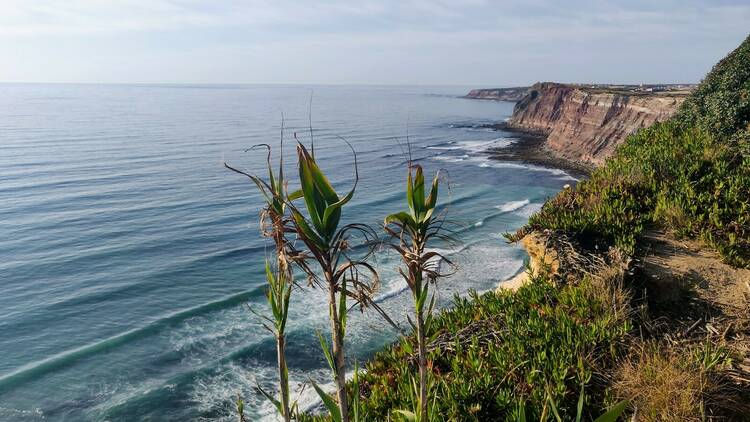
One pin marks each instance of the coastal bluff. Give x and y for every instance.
(514, 94)
(585, 123)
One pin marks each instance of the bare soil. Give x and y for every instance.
(695, 296)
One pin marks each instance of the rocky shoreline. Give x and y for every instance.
(530, 148)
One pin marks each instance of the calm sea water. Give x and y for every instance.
(128, 253)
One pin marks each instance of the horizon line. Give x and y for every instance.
(302, 84)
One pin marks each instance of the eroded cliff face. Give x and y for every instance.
(541, 258)
(586, 125)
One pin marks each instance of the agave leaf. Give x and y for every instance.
(326, 351)
(430, 255)
(615, 412)
(410, 193)
(422, 298)
(402, 217)
(318, 178)
(330, 221)
(278, 206)
(323, 184)
(333, 212)
(268, 157)
(271, 398)
(287, 295)
(295, 195)
(258, 314)
(271, 296)
(271, 179)
(278, 187)
(320, 195)
(427, 215)
(411, 322)
(407, 415)
(315, 204)
(307, 231)
(328, 402)
(263, 187)
(418, 193)
(429, 315)
(274, 306)
(432, 199)
(342, 307)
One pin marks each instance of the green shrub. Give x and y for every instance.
(494, 354)
(721, 104)
(683, 179)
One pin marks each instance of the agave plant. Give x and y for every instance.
(342, 276)
(275, 223)
(413, 230)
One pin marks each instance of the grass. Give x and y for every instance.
(665, 384)
(517, 355)
(493, 356)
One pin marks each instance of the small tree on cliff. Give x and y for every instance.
(275, 223)
(412, 231)
(343, 277)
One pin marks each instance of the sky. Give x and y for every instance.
(442, 42)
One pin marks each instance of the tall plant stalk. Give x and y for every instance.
(275, 223)
(343, 277)
(413, 230)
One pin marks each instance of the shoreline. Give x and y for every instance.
(530, 148)
(513, 283)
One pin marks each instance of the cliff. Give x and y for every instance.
(587, 123)
(671, 205)
(542, 259)
(643, 314)
(499, 94)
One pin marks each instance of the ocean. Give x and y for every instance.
(128, 253)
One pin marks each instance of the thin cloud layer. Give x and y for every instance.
(383, 42)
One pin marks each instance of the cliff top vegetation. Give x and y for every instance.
(568, 346)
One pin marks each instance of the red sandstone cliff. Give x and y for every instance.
(587, 124)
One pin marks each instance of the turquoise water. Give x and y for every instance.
(127, 251)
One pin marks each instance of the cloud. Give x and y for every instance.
(119, 39)
(70, 17)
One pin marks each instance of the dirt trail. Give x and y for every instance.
(697, 294)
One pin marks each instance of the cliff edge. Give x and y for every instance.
(586, 123)
(514, 94)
